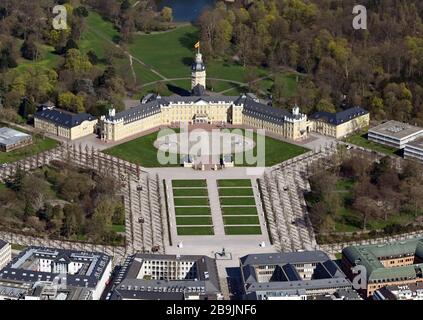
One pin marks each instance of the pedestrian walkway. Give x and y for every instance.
(219, 229)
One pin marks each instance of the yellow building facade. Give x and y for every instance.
(64, 124)
(341, 124)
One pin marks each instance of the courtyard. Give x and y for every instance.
(207, 147)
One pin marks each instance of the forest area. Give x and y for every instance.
(379, 68)
(360, 198)
(69, 203)
(40, 64)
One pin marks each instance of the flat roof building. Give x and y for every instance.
(412, 291)
(394, 134)
(167, 277)
(290, 276)
(396, 263)
(66, 270)
(11, 139)
(414, 150)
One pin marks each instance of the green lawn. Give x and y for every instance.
(243, 230)
(189, 183)
(195, 231)
(233, 211)
(190, 192)
(118, 228)
(361, 141)
(140, 151)
(201, 211)
(236, 192)
(237, 201)
(234, 183)
(98, 36)
(241, 220)
(195, 221)
(172, 53)
(276, 151)
(17, 247)
(48, 58)
(191, 201)
(39, 145)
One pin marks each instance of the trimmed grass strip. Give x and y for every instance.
(195, 221)
(241, 220)
(191, 201)
(202, 211)
(234, 183)
(243, 230)
(237, 201)
(190, 192)
(189, 183)
(236, 192)
(195, 231)
(242, 211)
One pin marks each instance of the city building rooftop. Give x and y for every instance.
(371, 257)
(167, 277)
(396, 129)
(62, 117)
(10, 136)
(341, 117)
(29, 266)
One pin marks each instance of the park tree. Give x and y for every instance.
(71, 102)
(30, 50)
(77, 62)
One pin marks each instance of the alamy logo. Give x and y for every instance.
(360, 280)
(360, 20)
(60, 19)
(211, 147)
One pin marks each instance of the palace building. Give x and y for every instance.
(155, 111)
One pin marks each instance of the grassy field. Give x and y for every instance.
(233, 211)
(140, 151)
(39, 145)
(189, 183)
(250, 201)
(241, 220)
(2, 186)
(191, 201)
(243, 230)
(197, 221)
(195, 231)
(192, 211)
(276, 151)
(48, 59)
(190, 192)
(236, 192)
(234, 183)
(98, 36)
(361, 141)
(118, 228)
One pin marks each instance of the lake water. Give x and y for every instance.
(185, 10)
